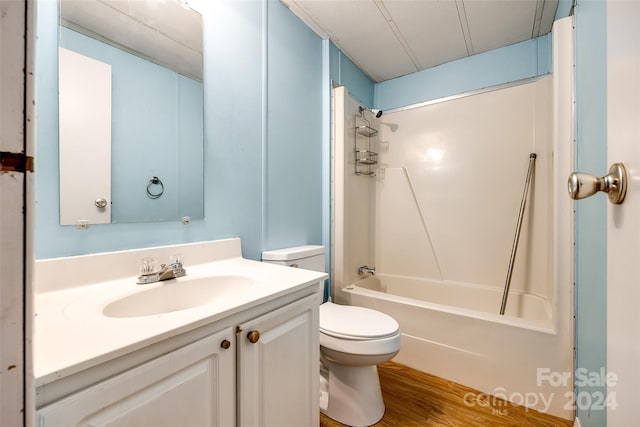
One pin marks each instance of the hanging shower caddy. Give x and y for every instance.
(365, 159)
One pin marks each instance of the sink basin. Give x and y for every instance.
(176, 295)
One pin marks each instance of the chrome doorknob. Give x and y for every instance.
(583, 185)
(101, 203)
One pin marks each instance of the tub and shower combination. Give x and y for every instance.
(435, 213)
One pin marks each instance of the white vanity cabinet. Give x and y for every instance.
(278, 356)
(193, 386)
(240, 349)
(260, 369)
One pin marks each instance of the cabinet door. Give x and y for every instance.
(278, 374)
(192, 386)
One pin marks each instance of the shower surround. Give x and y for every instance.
(438, 221)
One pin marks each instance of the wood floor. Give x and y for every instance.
(413, 398)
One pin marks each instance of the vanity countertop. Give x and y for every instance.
(72, 333)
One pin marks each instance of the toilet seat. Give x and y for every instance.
(356, 323)
(358, 330)
(369, 347)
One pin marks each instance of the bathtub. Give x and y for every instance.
(454, 331)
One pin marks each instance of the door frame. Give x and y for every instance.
(15, 243)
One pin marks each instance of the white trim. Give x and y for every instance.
(564, 152)
(265, 121)
(30, 392)
(326, 158)
(12, 215)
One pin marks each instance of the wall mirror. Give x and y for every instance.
(131, 111)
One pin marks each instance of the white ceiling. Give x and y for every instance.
(391, 38)
(164, 32)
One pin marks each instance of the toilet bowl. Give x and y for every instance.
(353, 340)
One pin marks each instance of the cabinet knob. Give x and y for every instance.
(225, 344)
(254, 336)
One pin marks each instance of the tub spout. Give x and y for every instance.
(366, 270)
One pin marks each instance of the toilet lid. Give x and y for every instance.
(346, 321)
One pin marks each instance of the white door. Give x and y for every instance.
(623, 221)
(12, 212)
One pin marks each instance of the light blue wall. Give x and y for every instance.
(591, 213)
(345, 73)
(265, 129)
(255, 159)
(234, 122)
(522, 60)
(564, 9)
(294, 135)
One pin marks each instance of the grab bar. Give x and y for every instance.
(516, 238)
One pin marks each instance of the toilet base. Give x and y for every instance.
(354, 395)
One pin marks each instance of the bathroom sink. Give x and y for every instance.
(176, 295)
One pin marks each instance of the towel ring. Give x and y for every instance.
(155, 181)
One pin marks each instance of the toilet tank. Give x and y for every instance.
(309, 257)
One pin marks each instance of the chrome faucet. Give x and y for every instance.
(169, 271)
(366, 270)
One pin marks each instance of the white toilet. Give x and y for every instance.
(353, 340)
